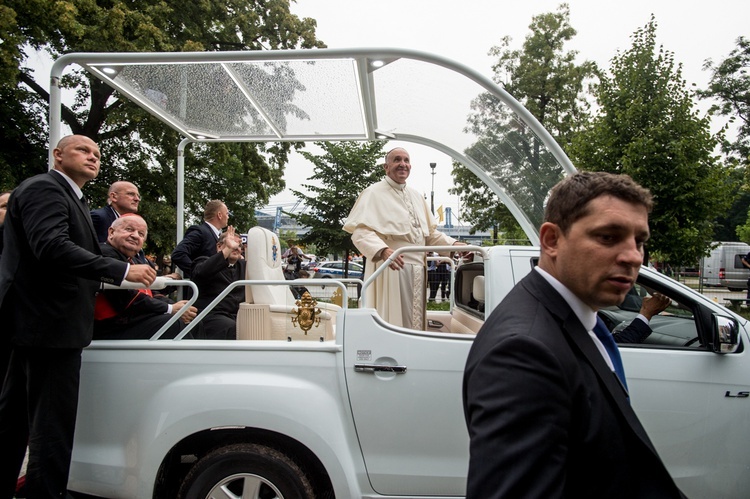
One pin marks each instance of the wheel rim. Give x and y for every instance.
(244, 486)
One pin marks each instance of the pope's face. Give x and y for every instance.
(398, 166)
(598, 259)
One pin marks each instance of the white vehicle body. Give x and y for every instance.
(147, 406)
(370, 410)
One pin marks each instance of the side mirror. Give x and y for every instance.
(725, 334)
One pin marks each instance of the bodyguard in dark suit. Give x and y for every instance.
(49, 274)
(212, 275)
(200, 240)
(548, 416)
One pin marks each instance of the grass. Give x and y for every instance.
(438, 305)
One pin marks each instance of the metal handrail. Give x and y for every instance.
(415, 249)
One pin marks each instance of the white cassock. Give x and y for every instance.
(392, 215)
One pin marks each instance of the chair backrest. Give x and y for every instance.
(477, 288)
(263, 257)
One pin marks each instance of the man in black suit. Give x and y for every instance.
(123, 197)
(49, 275)
(547, 414)
(200, 240)
(212, 275)
(127, 314)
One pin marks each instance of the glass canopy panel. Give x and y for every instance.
(457, 112)
(200, 97)
(306, 98)
(307, 95)
(260, 100)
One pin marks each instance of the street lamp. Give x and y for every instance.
(432, 192)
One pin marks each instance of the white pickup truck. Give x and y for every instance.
(367, 409)
(376, 410)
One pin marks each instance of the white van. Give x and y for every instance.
(723, 267)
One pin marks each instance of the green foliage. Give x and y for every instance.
(135, 146)
(342, 171)
(725, 225)
(730, 85)
(546, 80)
(647, 127)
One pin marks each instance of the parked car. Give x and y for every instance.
(310, 264)
(336, 270)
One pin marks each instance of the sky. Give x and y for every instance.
(465, 31)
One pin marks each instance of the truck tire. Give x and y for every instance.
(246, 470)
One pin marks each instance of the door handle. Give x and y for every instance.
(379, 368)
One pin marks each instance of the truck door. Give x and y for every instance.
(410, 424)
(691, 401)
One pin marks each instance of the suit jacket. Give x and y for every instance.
(212, 275)
(199, 240)
(51, 266)
(636, 332)
(130, 305)
(102, 218)
(547, 418)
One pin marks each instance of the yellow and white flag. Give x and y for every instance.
(441, 214)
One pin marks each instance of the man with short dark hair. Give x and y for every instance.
(50, 272)
(545, 395)
(200, 240)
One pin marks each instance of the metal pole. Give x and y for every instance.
(432, 192)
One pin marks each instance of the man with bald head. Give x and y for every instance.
(51, 269)
(123, 197)
(387, 216)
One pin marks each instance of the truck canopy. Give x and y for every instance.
(335, 95)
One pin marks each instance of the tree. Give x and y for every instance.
(343, 170)
(647, 127)
(135, 146)
(548, 82)
(730, 85)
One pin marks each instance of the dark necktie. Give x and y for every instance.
(601, 332)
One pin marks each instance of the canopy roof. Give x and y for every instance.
(341, 94)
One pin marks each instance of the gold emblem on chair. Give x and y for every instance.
(307, 314)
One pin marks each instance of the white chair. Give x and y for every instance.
(268, 309)
(477, 289)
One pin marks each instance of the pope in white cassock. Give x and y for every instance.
(389, 215)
